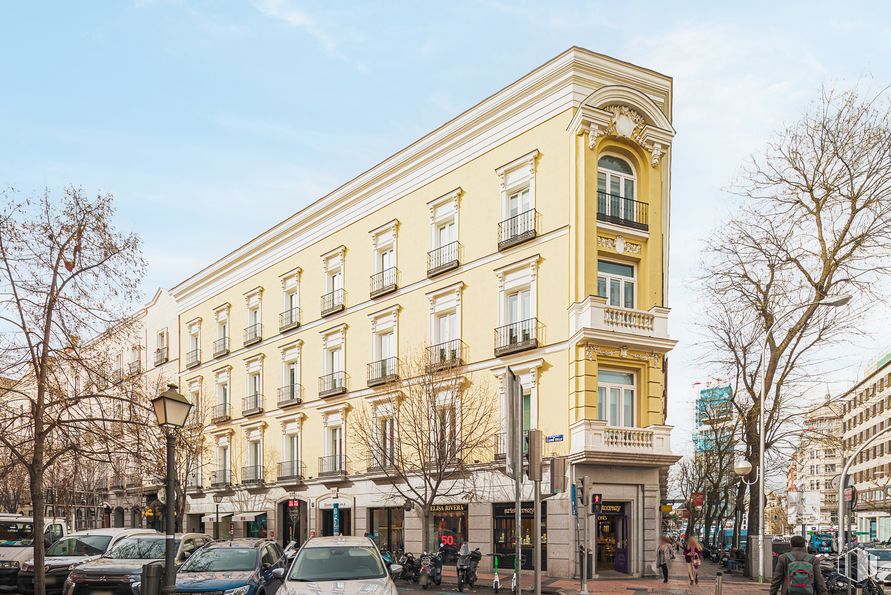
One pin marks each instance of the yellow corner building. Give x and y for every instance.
(529, 232)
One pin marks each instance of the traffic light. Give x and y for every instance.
(580, 492)
(596, 502)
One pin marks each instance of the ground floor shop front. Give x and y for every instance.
(622, 538)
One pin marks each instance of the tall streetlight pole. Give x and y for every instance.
(833, 301)
(217, 498)
(172, 409)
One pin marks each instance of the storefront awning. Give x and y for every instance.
(212, 518)
(247, 516)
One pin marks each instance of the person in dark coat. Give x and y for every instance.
(799, 552)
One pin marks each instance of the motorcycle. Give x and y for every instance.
(410, 568)
(467, 565)
(387, 557)
(431, 568)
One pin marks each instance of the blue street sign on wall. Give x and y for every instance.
(554, 438)
(336, 510)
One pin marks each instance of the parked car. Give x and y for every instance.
(821, 543)
(70, 552)
(121, 567)
(239, 566)
(338, 565)
(17, 544)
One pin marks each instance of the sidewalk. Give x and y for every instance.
(677, 584)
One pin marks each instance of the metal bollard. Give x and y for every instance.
(719, 582)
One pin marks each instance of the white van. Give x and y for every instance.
(17, 544)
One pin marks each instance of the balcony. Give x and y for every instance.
(290, 394)
(117, 483)
(501, 445)
(595, 320)
(593, 440)
(253, 334)
(627, 212)
(252, 404)
(219, 413)
(334, 466)
(516, 336)
(221, 478)
(333, 302)
(379, 461)
(193, 358)
(445, 355)
(518, 229)
(221, 347)
(134, 368)
(443, 259)
(383, 371)
(160, 356)
(194, 484)
(384, 282)
(291, 471)
(332, 384)
(289, 319)
(252, 474)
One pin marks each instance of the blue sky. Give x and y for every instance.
(211, 121)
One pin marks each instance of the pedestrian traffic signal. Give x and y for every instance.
(596, 502)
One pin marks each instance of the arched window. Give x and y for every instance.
(616, 186)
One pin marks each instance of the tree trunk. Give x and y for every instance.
(425, 527)
(38, 504)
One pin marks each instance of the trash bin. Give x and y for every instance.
(590, 567)
(151, 579)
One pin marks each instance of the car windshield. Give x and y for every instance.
(221, 559)
(340, 563)
(80, 545)
(16, 534)
(139, 548)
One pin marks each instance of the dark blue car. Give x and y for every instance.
(236, 567)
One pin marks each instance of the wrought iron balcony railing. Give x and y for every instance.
(221, 478)
(627, 212)
(445, 355)
(253, 333)
(221, 346)
(291, 470)
(134, 368)
(517, 229)
(334, 465)
(289, 319)
(384, 282)
(332, 384)
(290, 394)
(160, 356)
(252, 404)
(383, 371)
(442, 259)
(334, 301)
(219, 413)
(252, 474)
(516, 336)
(193, 358)
(380, 460)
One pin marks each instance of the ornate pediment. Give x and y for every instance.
(625, 122)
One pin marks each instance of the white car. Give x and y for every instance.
(342, 565)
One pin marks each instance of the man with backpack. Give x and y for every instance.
(797, 572)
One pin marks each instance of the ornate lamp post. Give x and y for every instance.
(217, 498)
(172, 409)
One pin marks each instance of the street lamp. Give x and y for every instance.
(172, 409)
(217, 498)
(833, 301)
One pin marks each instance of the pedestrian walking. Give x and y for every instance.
(693, 557)
(664, 554)
(797, 573)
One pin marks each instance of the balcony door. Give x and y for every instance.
(387, 441)
(386, 259)
(386, 345)
(335, 281)
(446, 327)
(615, 398)
(519, 202)
(335, 448)
(616, 186)
(446, 232)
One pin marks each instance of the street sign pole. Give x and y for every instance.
(515, 463)
(535, 437)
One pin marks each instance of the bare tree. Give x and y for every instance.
(815, 222)
(65, 272)
(428, 433)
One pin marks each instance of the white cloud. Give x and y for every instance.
(284, 11)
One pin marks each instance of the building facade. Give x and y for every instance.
(867, 411)
(819, 460)
(531, 232)
(714, 418)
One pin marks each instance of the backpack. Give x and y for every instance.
(800, 575)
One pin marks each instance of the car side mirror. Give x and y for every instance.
(395, 569)
(279, 573)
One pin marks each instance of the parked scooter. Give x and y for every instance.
(410, 568)
(468, 561)
(431, 568)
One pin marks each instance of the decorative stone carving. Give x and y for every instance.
(626, 123)
(593, 351)
(619, 245)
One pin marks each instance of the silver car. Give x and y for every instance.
(342, 565)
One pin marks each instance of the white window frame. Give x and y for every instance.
(622, 281)
(518, 276)
(611, 173)
(291, 358)
(195, 337)
(447, 399)
(254, 369)
(443, 210)
(293, 426)
(383, 239)
(603, 413)
(333, 339)
(445, 301)
(291, 287)
(223, 379)
(334, 262)
(514, 177)
(528, 373)
(384, 322)
(221, 315)
(161, 341)
(254, 307)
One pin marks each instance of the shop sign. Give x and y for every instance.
(293, 503)
(665, 508)
(510, 510)
(697, 499)
(448, 508)
(336, 518)
(612, 508)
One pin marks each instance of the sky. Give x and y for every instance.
(212, 121)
